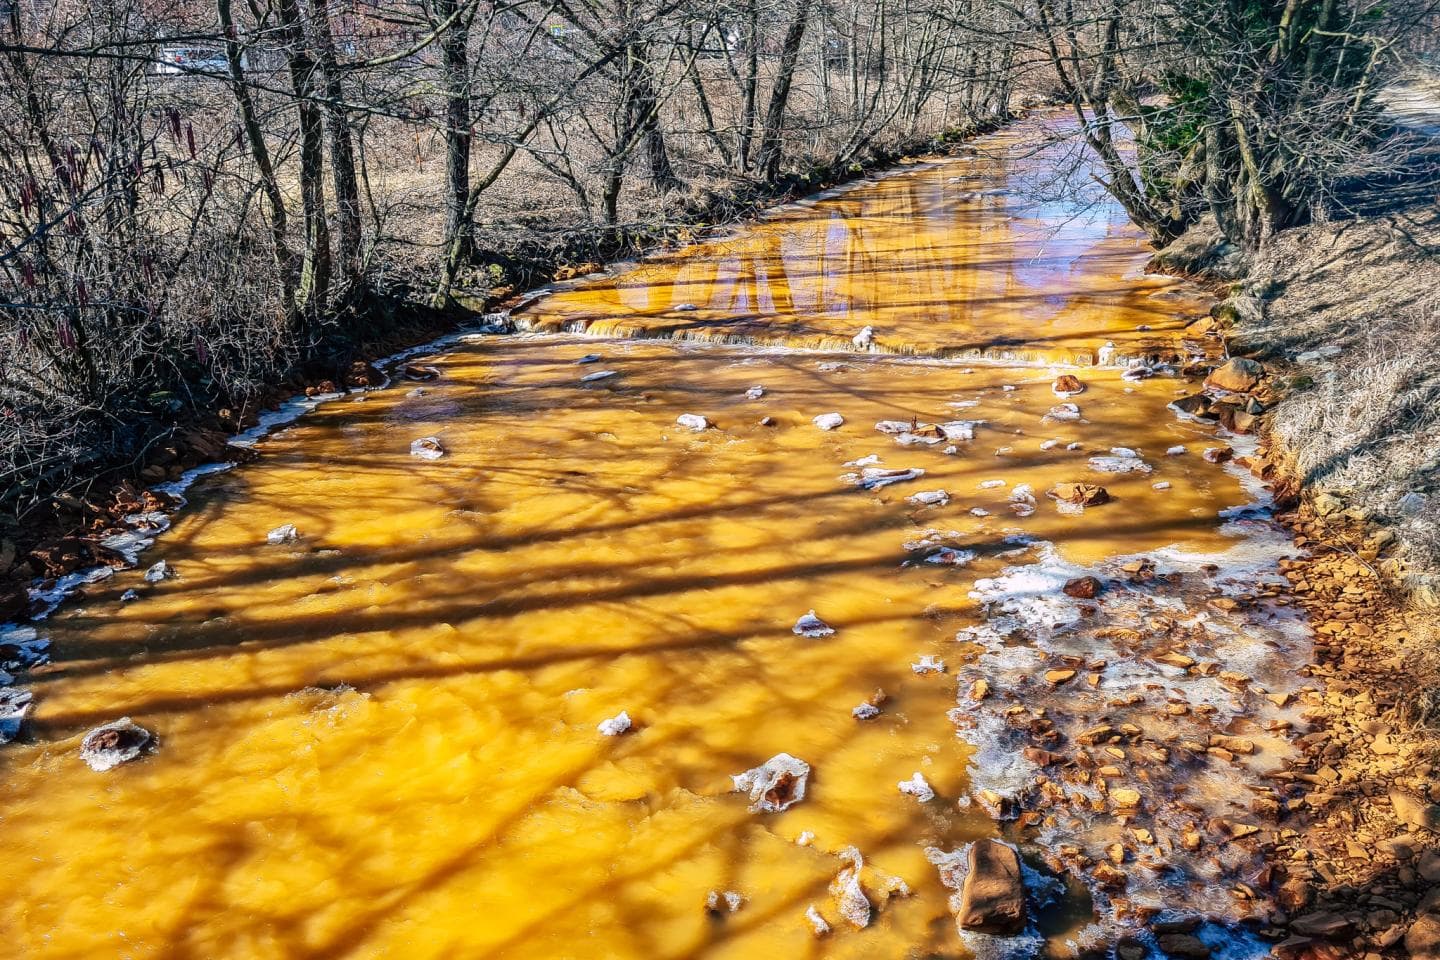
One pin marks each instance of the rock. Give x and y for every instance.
(775, 785)
(1080, 494)
(426, 448)
(283, 534)
(979, 690)
(1056, 677)
(873, 478)
(1237, 375)
(1185, 945)
(684, 308)
(418, 373)
(1415, 812)
(14, 601)
(1067, 385)
(1233, 744)
(755, 392)
(766, 421)
(589, 358)
(693, 421)
(1063, 413)
(1429, 866)
(1125, 798)
(828, 421)
(1422, 940)
(992, 899)
(1295, 894)
(616, 725)
(864, 339)
(108, 746)
(812, 626)
(1324, 924)
(599, 375)
(1083, 588)
(1327, 504)
(930, 498)
(160, 571)
(1196, 406)
(865, 711)
(1218, 454)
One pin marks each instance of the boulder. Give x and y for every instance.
(1237, 375)
(993, 897)
(1422, 940)
(1185, 945)
(1323, 923)
(1082, 588)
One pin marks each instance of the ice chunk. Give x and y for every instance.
(775, 785)
(1119, 463)
(865, 711)
(755, 392)
(14, 705)
(427, 448)
(918, 788)
(1106, 354)
(718, 902)
(129, 595)
(930, 498)
(159, 571)
(693, 421)
(598, 375)
(864, 339)
(1049, 444)
(286, 533)
(684, 308)
(812, 626)
(928, 664)
(863, 461)
(1175, 451)
(828, 421)
(108, 746)
(873, 478)
(817, 922)
(616, 725)
(850, 899)
(991, 484)
(1160, 485)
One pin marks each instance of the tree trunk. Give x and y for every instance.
(342, 150)
(455, 59)
(772, 140)
(313, 291)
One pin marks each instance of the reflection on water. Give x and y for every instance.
(380, 740)
(982, 254)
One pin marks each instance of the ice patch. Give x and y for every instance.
(616, 725)
(812, 626)
(917, 787)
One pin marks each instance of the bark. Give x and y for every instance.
(772, 142)
(312, 293)
(455, 61)
(342, 150)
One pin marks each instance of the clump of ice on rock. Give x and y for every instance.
(1120, 460)
(828, 421)
(812, 626)
(775, 785)
(873, 478)
(108, 746)
(693, 421)
(286, 533)
(599, 375)
(930, 498)
(427, 448)
(928, 663)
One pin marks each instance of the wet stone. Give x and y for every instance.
(992, 899)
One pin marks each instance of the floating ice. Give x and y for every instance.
(598, 375)
(693, 421)
(918, 788)
(817, 922)
(991, 484)
(930, 498)
(928, 663)
(283, 534)
(828, 421)
(755, 392)
(775, 785)
(1121, 460)
(1049, 444)
(616, 725)
(1175, 451)
(865, 711)
(427, 448)
(684, 308)
(1160, 485)
(812, 626)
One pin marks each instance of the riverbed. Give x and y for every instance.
(381, 737)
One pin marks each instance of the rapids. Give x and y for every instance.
(379, 739)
